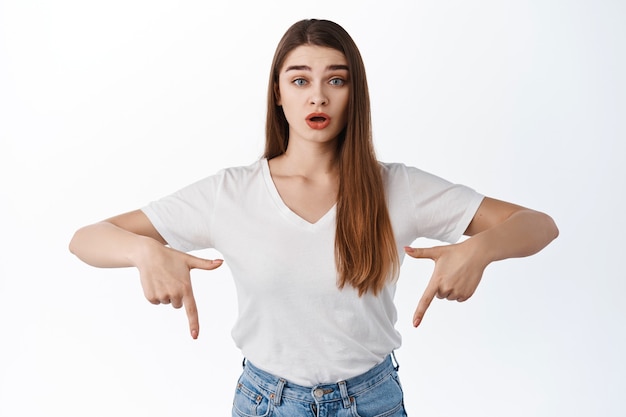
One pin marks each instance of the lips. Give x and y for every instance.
(318, 120)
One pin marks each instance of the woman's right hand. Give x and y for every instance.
(165, 278)
(130, 240)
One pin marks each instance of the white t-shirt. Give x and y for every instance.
(293, 320)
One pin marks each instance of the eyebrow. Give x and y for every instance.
(307, 68)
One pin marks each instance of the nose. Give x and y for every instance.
(318, 97)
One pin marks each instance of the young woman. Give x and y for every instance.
(314, 233)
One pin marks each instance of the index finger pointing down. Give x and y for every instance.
(192, 315)
(424, 303)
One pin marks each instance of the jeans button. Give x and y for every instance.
(319, 393)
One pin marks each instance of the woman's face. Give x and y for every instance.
(313, 91)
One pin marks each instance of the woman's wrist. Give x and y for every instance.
(142, 250)
(480, 249)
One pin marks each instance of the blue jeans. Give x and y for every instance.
(376, 393)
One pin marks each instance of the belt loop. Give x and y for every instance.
(279, 391)
(344, 394)
(397, 365)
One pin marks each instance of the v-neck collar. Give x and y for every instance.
(285, 210)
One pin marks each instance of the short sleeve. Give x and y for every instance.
(184, 218)
(443, 210)
(429, 206)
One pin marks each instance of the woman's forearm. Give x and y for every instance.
(524, 233)
(106, 245)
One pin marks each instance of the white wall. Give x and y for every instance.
(105, 106)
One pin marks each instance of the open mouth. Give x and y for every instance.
(318, 120)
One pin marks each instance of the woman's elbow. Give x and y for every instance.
(73, 246)
(550, 228)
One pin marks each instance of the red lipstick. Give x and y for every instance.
(318, 120)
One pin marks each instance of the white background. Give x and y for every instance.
(105, 106)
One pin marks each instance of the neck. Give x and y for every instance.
(310, 162)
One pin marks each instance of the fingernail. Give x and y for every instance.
(217, 261)
(194, 334)
(416, 322)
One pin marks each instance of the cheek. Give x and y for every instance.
(345, 107)
(288, 109)
(345, 97)
(281, 92)
(285, 97)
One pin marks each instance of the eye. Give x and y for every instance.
(299, 82)
(337, 82)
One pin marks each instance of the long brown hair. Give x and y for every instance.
(365, 248)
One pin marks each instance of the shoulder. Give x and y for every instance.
(230, 178)
(397, 171)
(244, 171)
(232, 175)
(404, 178)
(392, 169)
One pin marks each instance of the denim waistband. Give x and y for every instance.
(279, 388)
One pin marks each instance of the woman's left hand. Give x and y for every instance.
(458, 271)
(498, 230)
